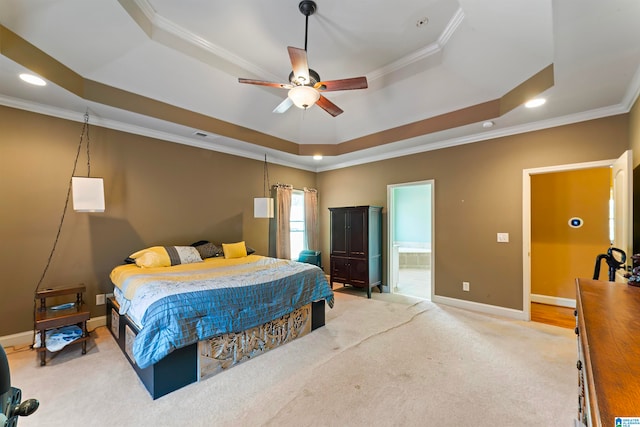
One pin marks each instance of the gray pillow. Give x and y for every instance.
(208, 250)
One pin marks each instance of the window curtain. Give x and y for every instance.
(311, 234)
(283, 215)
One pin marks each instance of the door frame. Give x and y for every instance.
(391, 234)
(526, 220)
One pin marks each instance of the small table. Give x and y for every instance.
(47, 318)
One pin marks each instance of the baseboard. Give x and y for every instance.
(480, 307)
(546, 299)
(25, 338)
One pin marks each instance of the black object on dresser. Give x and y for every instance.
(356, 247)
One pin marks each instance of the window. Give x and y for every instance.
(296, 223)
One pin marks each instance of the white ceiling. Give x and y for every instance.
(190, 54)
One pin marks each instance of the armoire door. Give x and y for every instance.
(339, 236)
(357, 232)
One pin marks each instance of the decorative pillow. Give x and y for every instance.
(234, 250)
(208, 250)
(250, 250)
(165, 256)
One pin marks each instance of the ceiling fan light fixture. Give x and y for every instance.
(304, 96)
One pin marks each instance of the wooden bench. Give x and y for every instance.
(50, 317)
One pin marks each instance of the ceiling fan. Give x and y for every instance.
(305, 84)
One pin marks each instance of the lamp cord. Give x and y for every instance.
(265, 177)
(85, 129)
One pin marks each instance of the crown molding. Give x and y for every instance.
(208, 143)
(484, 136)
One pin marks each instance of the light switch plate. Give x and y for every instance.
(503, 237)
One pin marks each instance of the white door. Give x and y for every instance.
(622, 174)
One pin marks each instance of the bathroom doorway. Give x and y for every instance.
(411, 238)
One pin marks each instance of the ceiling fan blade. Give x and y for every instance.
(284, 105)
(265, 83)
(329, 106)
(299, 64)
(342, 84)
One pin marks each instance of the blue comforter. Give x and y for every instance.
(177, 306)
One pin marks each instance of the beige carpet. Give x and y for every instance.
(388, 361)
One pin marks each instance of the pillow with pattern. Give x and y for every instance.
(208, 250)
(166, 256)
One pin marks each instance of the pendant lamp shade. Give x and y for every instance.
(88, 194)
(263, 207)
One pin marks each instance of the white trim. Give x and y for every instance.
(526, 220)
(207, 144)
(480, 307)
(364, 155)
(24, 338)
(478, 137)
(551, 300)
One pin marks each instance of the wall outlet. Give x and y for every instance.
(503, 237)
(465, 286)
(100, 299)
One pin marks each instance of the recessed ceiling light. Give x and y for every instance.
(488, 124)
(317, 157)
(32, 79)
(536, 102)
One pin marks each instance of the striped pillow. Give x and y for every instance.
(165, 256)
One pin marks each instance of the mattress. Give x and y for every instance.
(179, 305)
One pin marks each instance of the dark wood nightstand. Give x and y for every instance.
(49, 318)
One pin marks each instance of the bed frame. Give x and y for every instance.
(209, 357)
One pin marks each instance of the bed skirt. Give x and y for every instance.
(211, 356)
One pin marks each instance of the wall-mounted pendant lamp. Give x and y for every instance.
(88, 196)
(88, 193)
(263, 206)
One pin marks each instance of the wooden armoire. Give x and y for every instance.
(356, 247)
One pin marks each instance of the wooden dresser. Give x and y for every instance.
(608, 329)
(356, 247)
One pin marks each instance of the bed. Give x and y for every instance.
(180, 318)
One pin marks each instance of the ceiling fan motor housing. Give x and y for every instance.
(313, 79)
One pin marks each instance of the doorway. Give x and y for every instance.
(620, 215)
(410, 243)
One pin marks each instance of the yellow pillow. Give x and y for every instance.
(234, 250)
(155, 256)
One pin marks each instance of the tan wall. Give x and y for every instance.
(165, 193)
(478, 193)
(156, 193)
(560, 253)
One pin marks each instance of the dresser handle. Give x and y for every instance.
(579, 365)
(577, 331)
